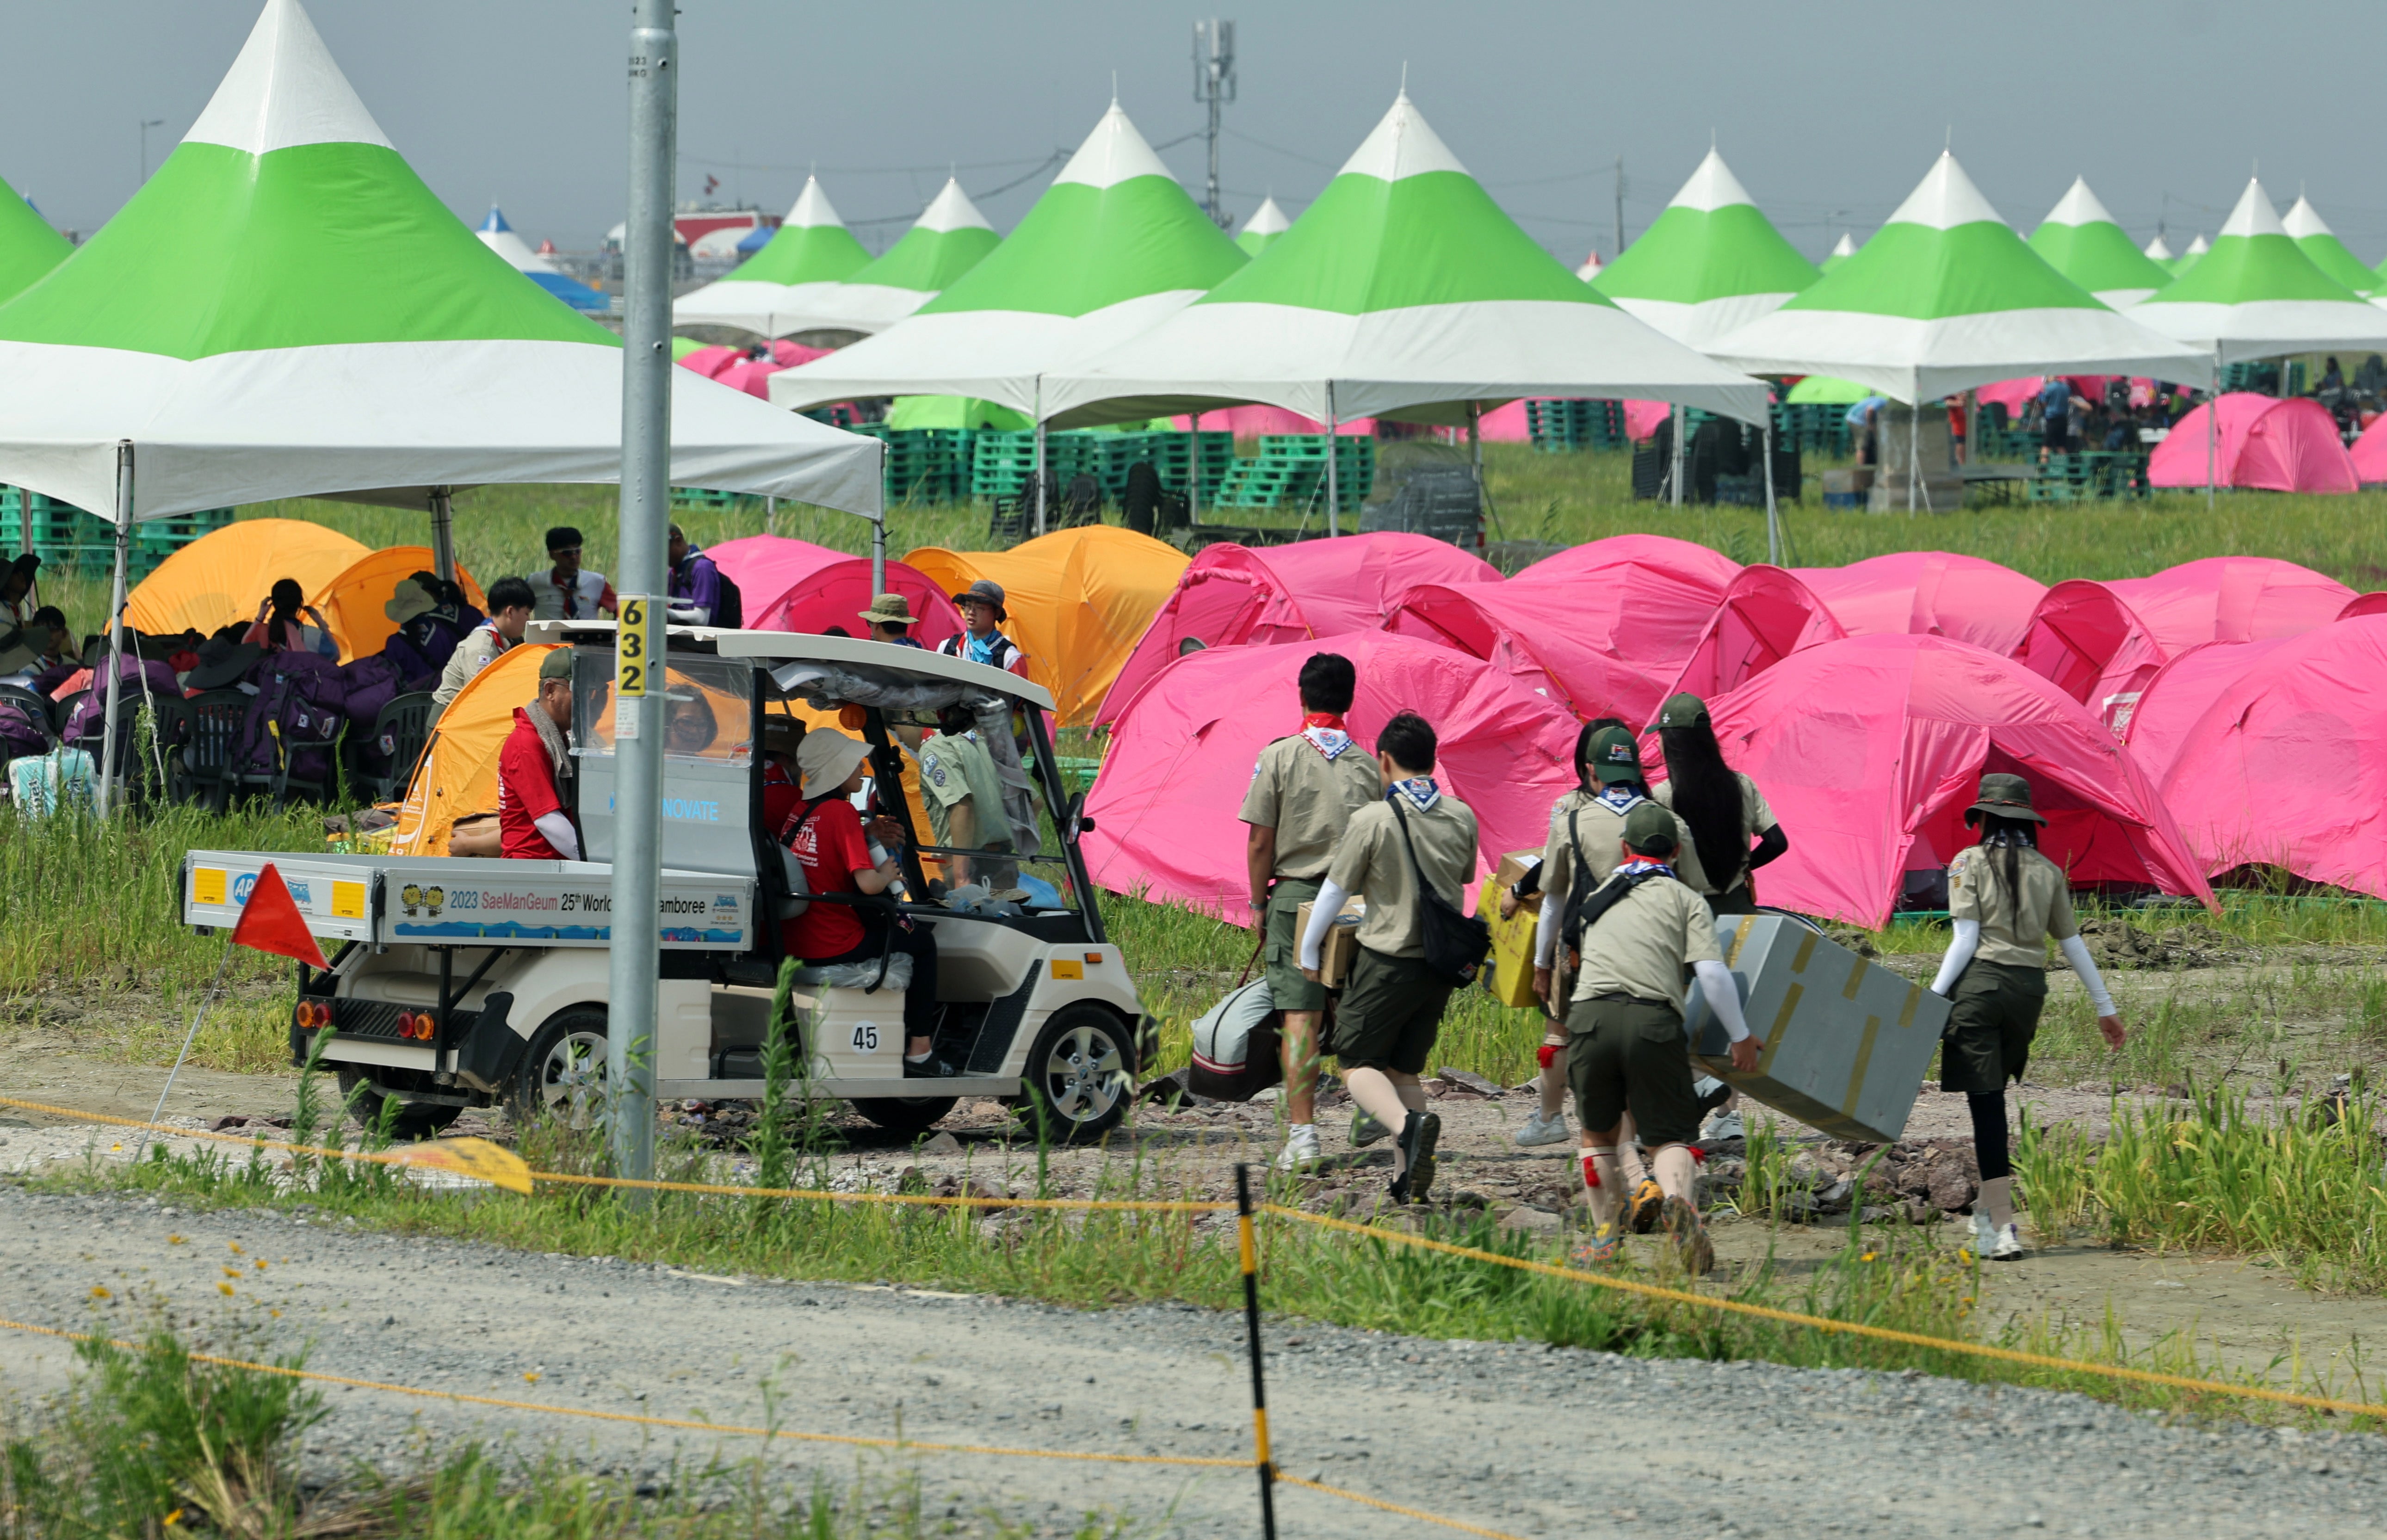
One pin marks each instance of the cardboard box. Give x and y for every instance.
(1847, 1042)
(1341, 948)
(1512, 871)
(1511, 978)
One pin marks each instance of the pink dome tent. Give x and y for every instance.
(1255, 419)
(2265, 443)
(711, 361)
(2371, 454)
(1930, 593)
(2157, 725)
(1764, 615)
(795, 586)
(2288, 765)
(1684, 562)
(2232, 598)
(1231, 596)
(1870, 749)
(2086, 638)
(1164, 803)
(2374, 604)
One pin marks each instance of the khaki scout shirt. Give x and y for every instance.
(954, 769)
(1600, 830)
(1307, 798)
(1755, 818)
(1373, 863)
(2011, 933)
(1644, 946)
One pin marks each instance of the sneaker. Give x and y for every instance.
(1606, 1244)
(2007, 1246)
(1641, 1210)
(1689, 1233)
(1300, 1151)
(1419, 1132)
(1725, 1125)
(1543, 1131)
(1366, 1131)
(1985, 1236)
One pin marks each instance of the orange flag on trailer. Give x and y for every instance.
(270, 922)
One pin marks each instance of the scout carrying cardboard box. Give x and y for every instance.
(1341, 948)
(1847, 1042)
(1511, 979)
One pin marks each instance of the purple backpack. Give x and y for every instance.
(19, 734)
(369, 684)
(301, 695)
(91, 713)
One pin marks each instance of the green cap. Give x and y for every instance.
(2006, 796)
(1681, 711)
(556, 664)
(1650, 829)
(1614, 756)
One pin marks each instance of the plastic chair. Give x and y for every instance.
(399, 733)
(214, 719)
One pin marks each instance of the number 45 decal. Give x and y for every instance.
(866, 1037)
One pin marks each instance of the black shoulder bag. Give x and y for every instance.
(1584, 909)
(1456, 942)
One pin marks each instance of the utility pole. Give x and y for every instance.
(1619, 208)
(1214, 86)
(146, 124)
(640, 640)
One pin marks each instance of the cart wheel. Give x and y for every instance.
(563, 1072)
(904, 1115)
(415, 1119)
(1081, 1076)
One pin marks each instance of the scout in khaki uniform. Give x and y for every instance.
(1722, 809)
(1304, 790)
(1642, 932)
(2006, 901)
(1392, 1007)
(965, 796)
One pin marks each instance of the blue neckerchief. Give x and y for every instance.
(989, 651)
(1640, 863)
(1621, 798)
(1421, 791)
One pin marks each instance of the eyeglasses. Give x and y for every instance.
(573, 551)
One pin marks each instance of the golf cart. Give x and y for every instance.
(464, 982)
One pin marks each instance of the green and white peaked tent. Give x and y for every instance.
(29, 247)
(284, 309)
(1403, 291)
(1261, 230)
(1710, 264)
(769, 293)
(2197, 247)
(2328, 253)
(2257, 295)
(948, 239)
(2083, 242)
(1842, 249)
(1590, 269)
(1113, 246)
(2160, 254)
(1946, 297)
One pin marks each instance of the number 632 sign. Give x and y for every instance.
(634, 660)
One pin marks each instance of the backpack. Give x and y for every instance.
(366, 686)
(1236, 1046)
(729, 613)
(1584, 909)
(19, 734)
(1456, 942)
(295, 718)
(44, 784)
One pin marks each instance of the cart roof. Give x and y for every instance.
(772, 647)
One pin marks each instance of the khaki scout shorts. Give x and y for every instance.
(1390, 1014)
(1280, 953)
(1627, 1053)
(1992, 1017)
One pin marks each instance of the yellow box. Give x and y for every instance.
(207, 885)
(1341, 948)
(1513, 943)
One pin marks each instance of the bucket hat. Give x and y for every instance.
(2004, 796)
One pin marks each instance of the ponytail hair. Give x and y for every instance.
(2009, 837)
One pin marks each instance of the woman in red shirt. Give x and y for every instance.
(825, 834)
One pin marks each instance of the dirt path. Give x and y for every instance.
(1528, 1440)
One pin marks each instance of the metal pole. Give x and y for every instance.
(1475, 452)
(1193, 478)
(878, 554)
(639, 662)
(106, 801)
(2212, 429)
(1914, 450)
(1772, 514)
(1039, 454)
(442, 536)
(1251, 1261)
(1333, 489)
(1676, 476)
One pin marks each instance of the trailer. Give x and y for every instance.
(458, 982)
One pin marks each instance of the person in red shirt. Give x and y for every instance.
(532, 823)
(780, 736)
(825, 834)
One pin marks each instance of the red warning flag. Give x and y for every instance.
(270, 922)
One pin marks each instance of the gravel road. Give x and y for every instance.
(1522, 1439)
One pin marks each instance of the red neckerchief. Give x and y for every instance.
(1325, 733)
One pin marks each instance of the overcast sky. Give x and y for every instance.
(1828, 113)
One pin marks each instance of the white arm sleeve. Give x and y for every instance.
(1322, 911)
(1959, 952)
(560, 833)
(2076, 952)
(690, 614)
(1724, 996)
(1545, 929)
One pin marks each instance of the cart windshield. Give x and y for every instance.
(704, 712)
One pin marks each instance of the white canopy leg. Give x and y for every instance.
(1194, 476)
(1674, 473)
(107, 798)
(1333, 489)
(1040, 476)
(1772, 514)
(442, 536)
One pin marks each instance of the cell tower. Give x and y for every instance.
(1214, 86)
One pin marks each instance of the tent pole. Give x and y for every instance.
(442, 536)
(106, 799)
(1333, 491)
(1193, 478)
(1674, 477)
(1772, 514)
(1913, 448)
(770, 522)
(641, 641)
(1039, 456)
(878, 554)
(2212, 429)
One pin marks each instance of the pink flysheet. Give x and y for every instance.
(2086, 638)
(1870, 747)
(1764, 615)
(1932, 593)
(2232, 598)
(2288, 765)
(1182, 754)
(710, 361)
(795, 586)
(2264, 443)
(2156, 725)
(1254, 420)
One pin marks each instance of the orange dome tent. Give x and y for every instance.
(459, 772)
(1080, 601)
(223, 576)
(353, 599)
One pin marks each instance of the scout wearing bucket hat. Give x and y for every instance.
(1723, 808)
(890, 619)
(982, 605)
(2005, 902)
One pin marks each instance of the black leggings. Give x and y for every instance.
(919, 942)
(1989, 1149)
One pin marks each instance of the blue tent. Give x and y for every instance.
(500, 237)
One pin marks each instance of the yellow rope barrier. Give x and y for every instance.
(1458, 1524)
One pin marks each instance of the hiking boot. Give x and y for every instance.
(1419, 1132)
(1366, 1131)
(1543, 1131)
(2007, 1246)
(1689, 1234)
(1300, 1151)
(1605, 1245)
(1642, 1208)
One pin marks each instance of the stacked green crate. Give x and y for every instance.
(68, 538)
(1001, 463)
(1291, 469)
(1812, 427)
(1171, 454)
(1561, 426)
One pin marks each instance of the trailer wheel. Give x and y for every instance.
(904, 1115)
(1081, 1076)
(563, 1072)
(415, 1119)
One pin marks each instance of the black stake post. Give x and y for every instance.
(1251, 1332)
